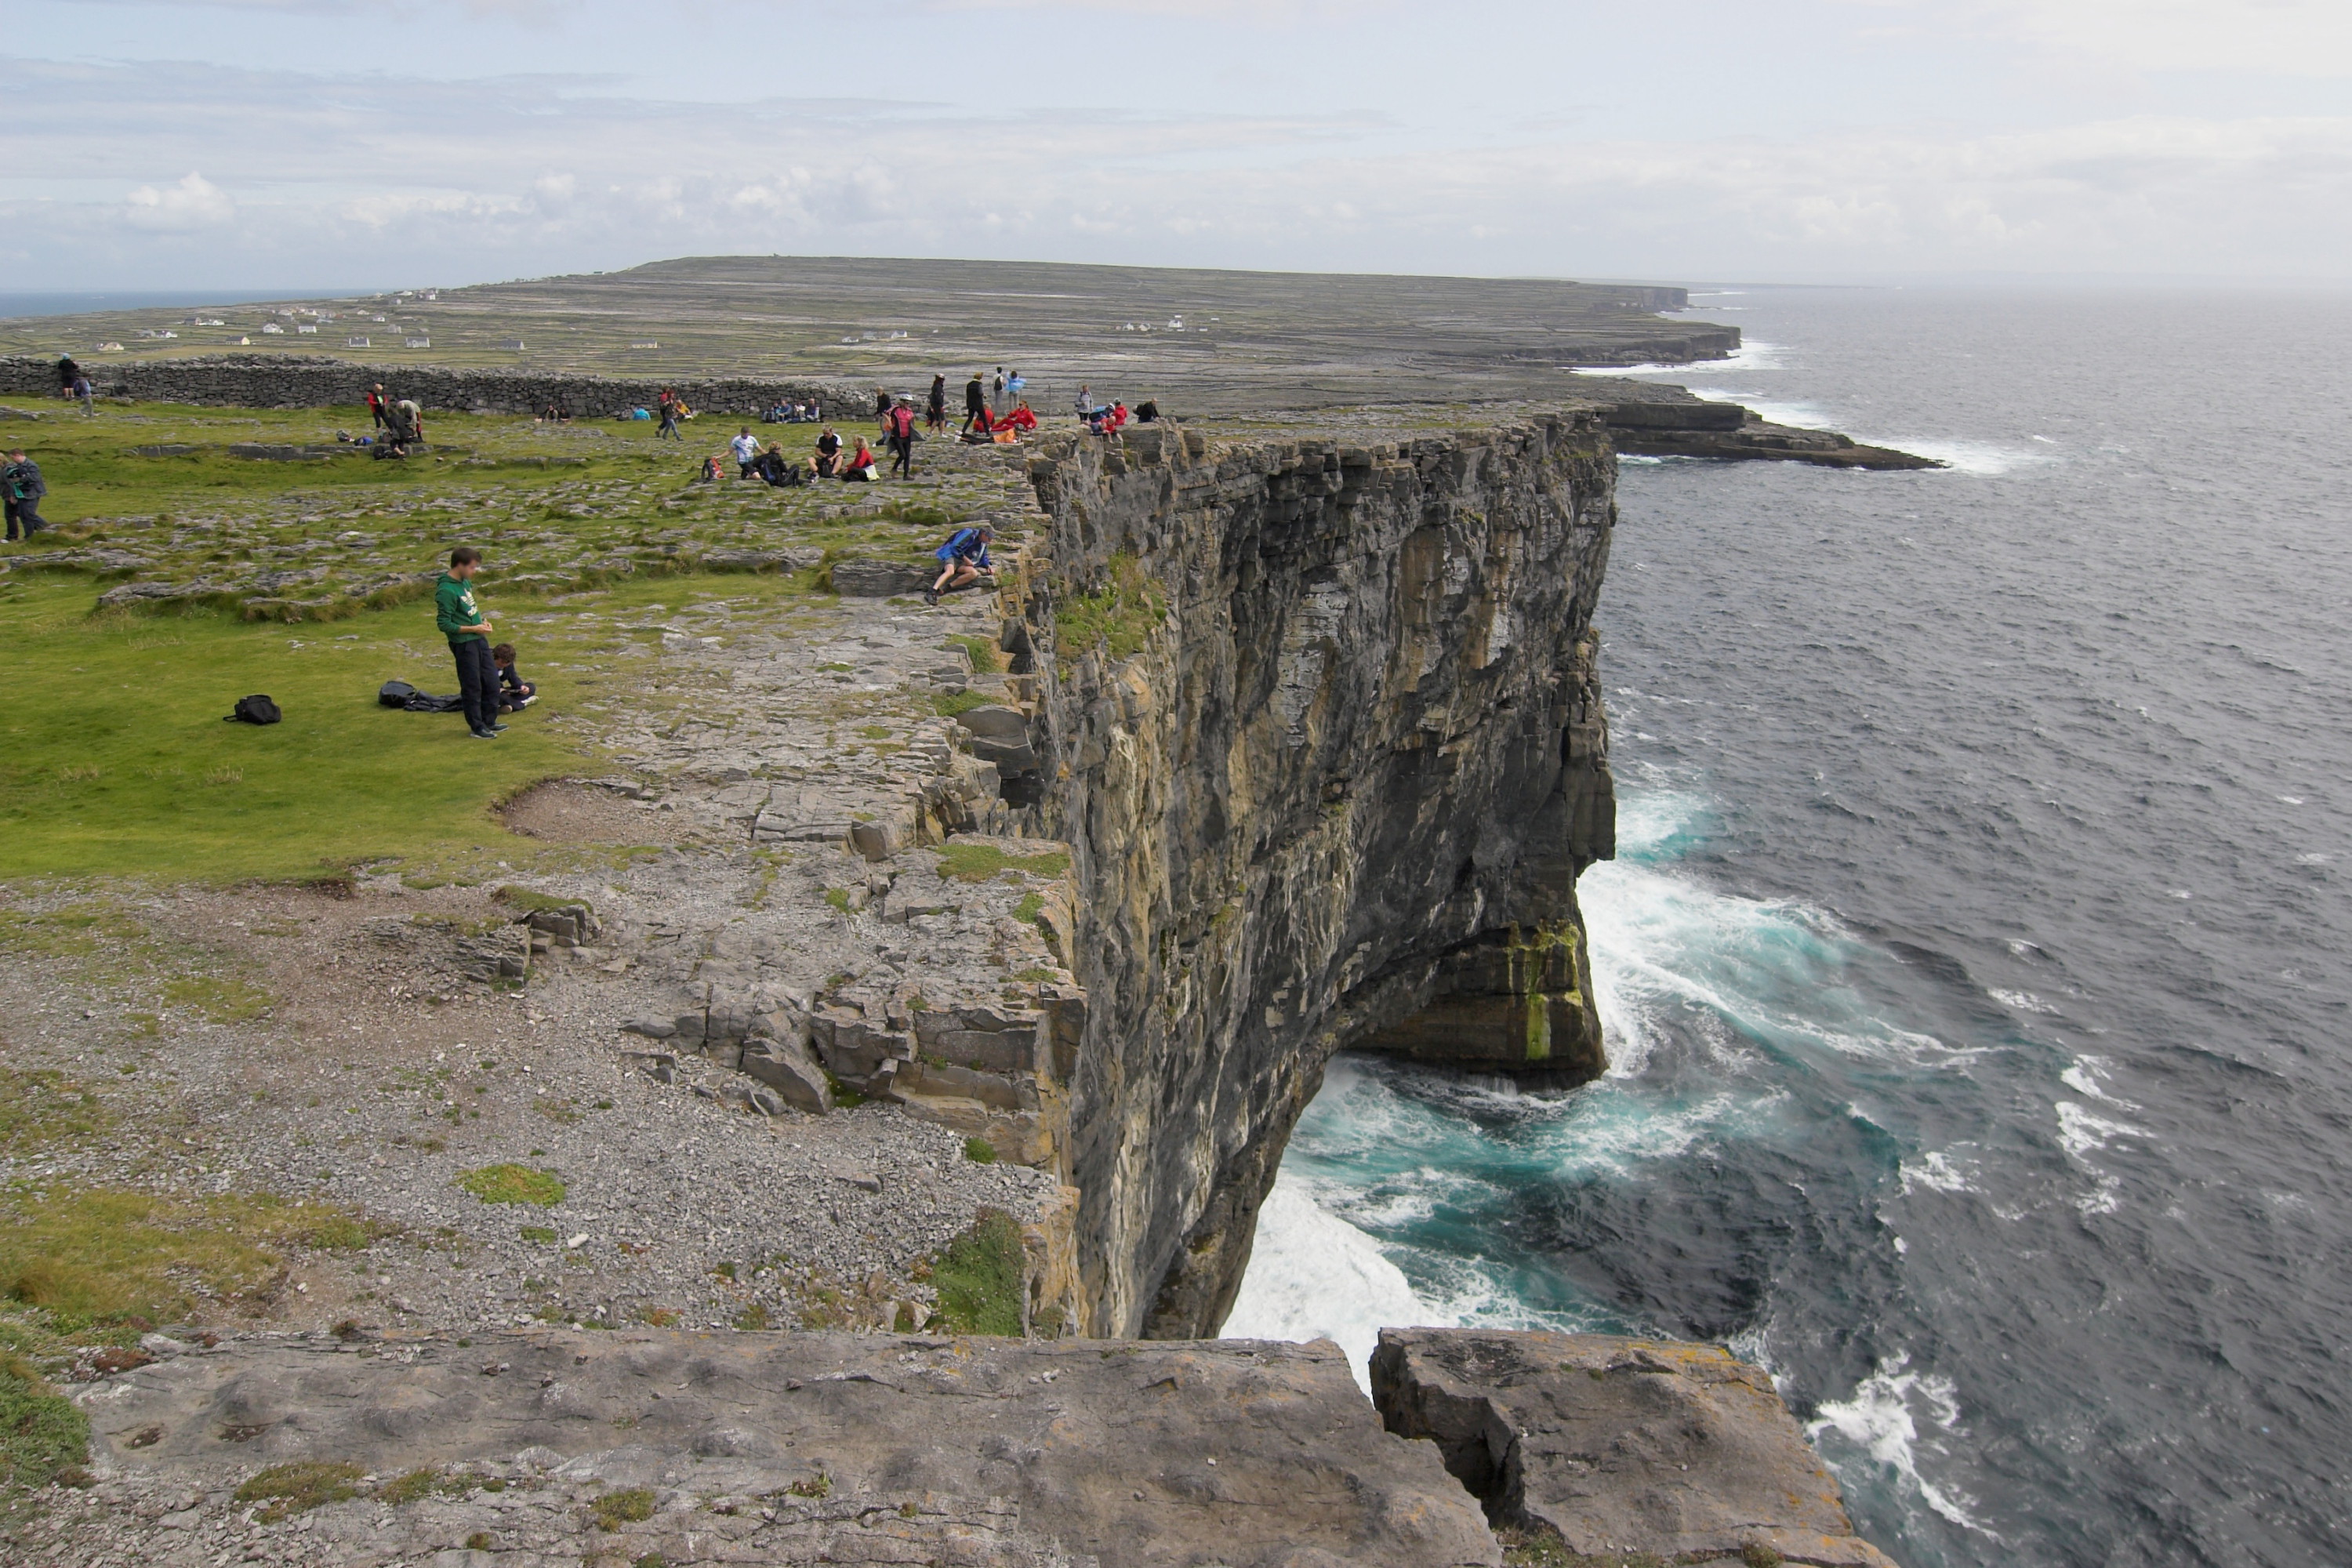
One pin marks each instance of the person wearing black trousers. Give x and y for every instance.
(975, 398)
(21, 482)
(461, 620)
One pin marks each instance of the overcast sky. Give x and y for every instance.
(317, 143)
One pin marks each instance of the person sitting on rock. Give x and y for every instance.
(746, 448)
(1023, 417)
(828, 454)
(859, 469)
(966, 555)
(779, 471)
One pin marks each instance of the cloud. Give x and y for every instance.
(2268, 38)
(394, 179)
(193, 202)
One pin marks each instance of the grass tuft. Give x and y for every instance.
(979, 1277)
(298, 1487)
(979, 862)
(508, 1183)
(614, 1510)
(980, 1151)
(43, 1434)
(1118, 617)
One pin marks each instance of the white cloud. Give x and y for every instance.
(369, 179)
(2270, 37)
(193, 202)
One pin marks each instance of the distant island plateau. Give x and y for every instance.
(801, 1088)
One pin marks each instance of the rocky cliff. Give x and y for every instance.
(1321, 727)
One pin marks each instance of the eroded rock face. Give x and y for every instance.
(1618, 1445)
(1320, 724)
(757, 1448)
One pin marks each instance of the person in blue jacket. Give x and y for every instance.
(966, 557)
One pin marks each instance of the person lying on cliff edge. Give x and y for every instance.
(966, 554)
(462, 622)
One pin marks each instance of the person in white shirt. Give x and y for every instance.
(747, 453)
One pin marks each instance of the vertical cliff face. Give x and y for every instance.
(1326, 740)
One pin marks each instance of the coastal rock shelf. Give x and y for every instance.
(525, 1450)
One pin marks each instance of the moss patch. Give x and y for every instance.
(614, 1510)
(513, 1185)
(298, 1487)
(979, 862)
(979, 1277)
(39, 1108)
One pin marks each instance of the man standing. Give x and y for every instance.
(747, 452)
(996, 388)
(460, 620)
(86, 395)
(975, 398)
(21, 481)
(375, 405)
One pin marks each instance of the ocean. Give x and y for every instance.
(1974, 966)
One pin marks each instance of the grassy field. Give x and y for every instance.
(114, 757)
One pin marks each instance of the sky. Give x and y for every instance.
(150, 144)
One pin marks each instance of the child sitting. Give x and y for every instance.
(514, 692)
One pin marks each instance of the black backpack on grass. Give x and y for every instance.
(255, 710)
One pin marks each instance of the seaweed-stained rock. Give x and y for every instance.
(980, 1453)
(1620, 1444)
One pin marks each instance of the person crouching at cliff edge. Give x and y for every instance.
(966, 554)
(462, 622)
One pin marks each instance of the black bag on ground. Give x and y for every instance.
(255, 710)
(400, 694)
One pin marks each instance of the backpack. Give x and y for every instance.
(254, 711)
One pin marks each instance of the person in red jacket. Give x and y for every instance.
(900, 424)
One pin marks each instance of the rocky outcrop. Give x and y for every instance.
(1319, 725)
(1667, 421)
(1617, 1445)
(687, 1448)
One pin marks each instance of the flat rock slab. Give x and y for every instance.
(797, 1447)
(1620, 1444)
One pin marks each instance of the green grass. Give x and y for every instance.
(42, 1433)
(1118, 617)
(980, 1151)
(40, 1106)
(296, 1488)
(103, 1255)
(114, 755)
(979, 862)
(951, 703)
(514, 1184)
(614, 1510)
(979, 1277)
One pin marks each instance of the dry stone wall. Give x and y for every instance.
(319, 381)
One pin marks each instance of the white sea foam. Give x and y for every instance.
(1882, 1422)
(2080, 1132)
(1751, 355)
(2022, 1001)
(1802, 415)
(1314, 1276)
(2084, 1076)
(1939, 1171)
(1979, 458)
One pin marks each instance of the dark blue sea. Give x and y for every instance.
(1975, 965)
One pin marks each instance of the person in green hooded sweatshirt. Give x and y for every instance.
(460, 620)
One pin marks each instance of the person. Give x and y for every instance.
(882, 410)
(1147, 413)
(462, 622)
(1023, 417)
(67, 371)
(980, 430)
(996, 391)
(375, 406)
(21, 483)
(966, 554)
(773, 468)
(515, 693)
(403, 424)
(746, 447)
(1086, 402)
(828, 454)
(902, 426)
(935, 413)
(668, 417)
(859, 469)
(1013, 386)
(86, 394)
(975, 399)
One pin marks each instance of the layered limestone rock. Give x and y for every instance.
(1616, 1445)
(1320, 724)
